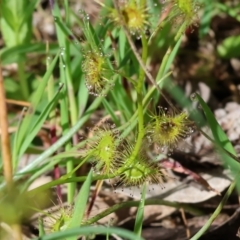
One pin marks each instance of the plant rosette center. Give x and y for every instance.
(133, 18)
(167, 130)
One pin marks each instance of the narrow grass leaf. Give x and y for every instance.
(10, 54)
(119, 97)
(221, 140)
(62, 140)
(28, 11)
(80, 204)
(23, 130)
(83, 96)
(206, 19)
(89, 231)
(38, 124)
(219, 135)
(172, 56)
(179, 96)
(140, 213)
(111, 112)
(15, 32)
(122, 44)
(41, 227)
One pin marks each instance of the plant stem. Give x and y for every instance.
(5, 140)
(6, 149)
(134, 49)
(140, 100)
(133, 120)
(118, 206)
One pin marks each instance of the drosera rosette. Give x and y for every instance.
(103, 148)
(139, 170)
(134, 13)
(58, 220)
(167, 129)
(96, 65)
(98, 74)
(183, 12)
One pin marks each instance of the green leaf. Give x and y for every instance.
(206, 18)
(10, 54)
(172, 56)
(90, 230)
(221, 140)
(41, 227)
(23, 130)
(28, 11)
(14, 30)
(38, 124)
(80, 204)
(230, 47)
(83, 96)
(111, 112)
(140, 213)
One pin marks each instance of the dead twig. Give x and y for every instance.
(5, 140)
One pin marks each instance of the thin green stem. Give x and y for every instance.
(144, 59)
(140, 213)
(140, 100)
(118, 206)
(217, 211)
(135, 51)
(127, 127)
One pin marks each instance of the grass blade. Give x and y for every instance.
(221, 139)
(140, 213)
(80, 204)
(86, 231)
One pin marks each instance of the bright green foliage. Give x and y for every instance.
(16, 22)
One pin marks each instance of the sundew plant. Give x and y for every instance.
(103, 70)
